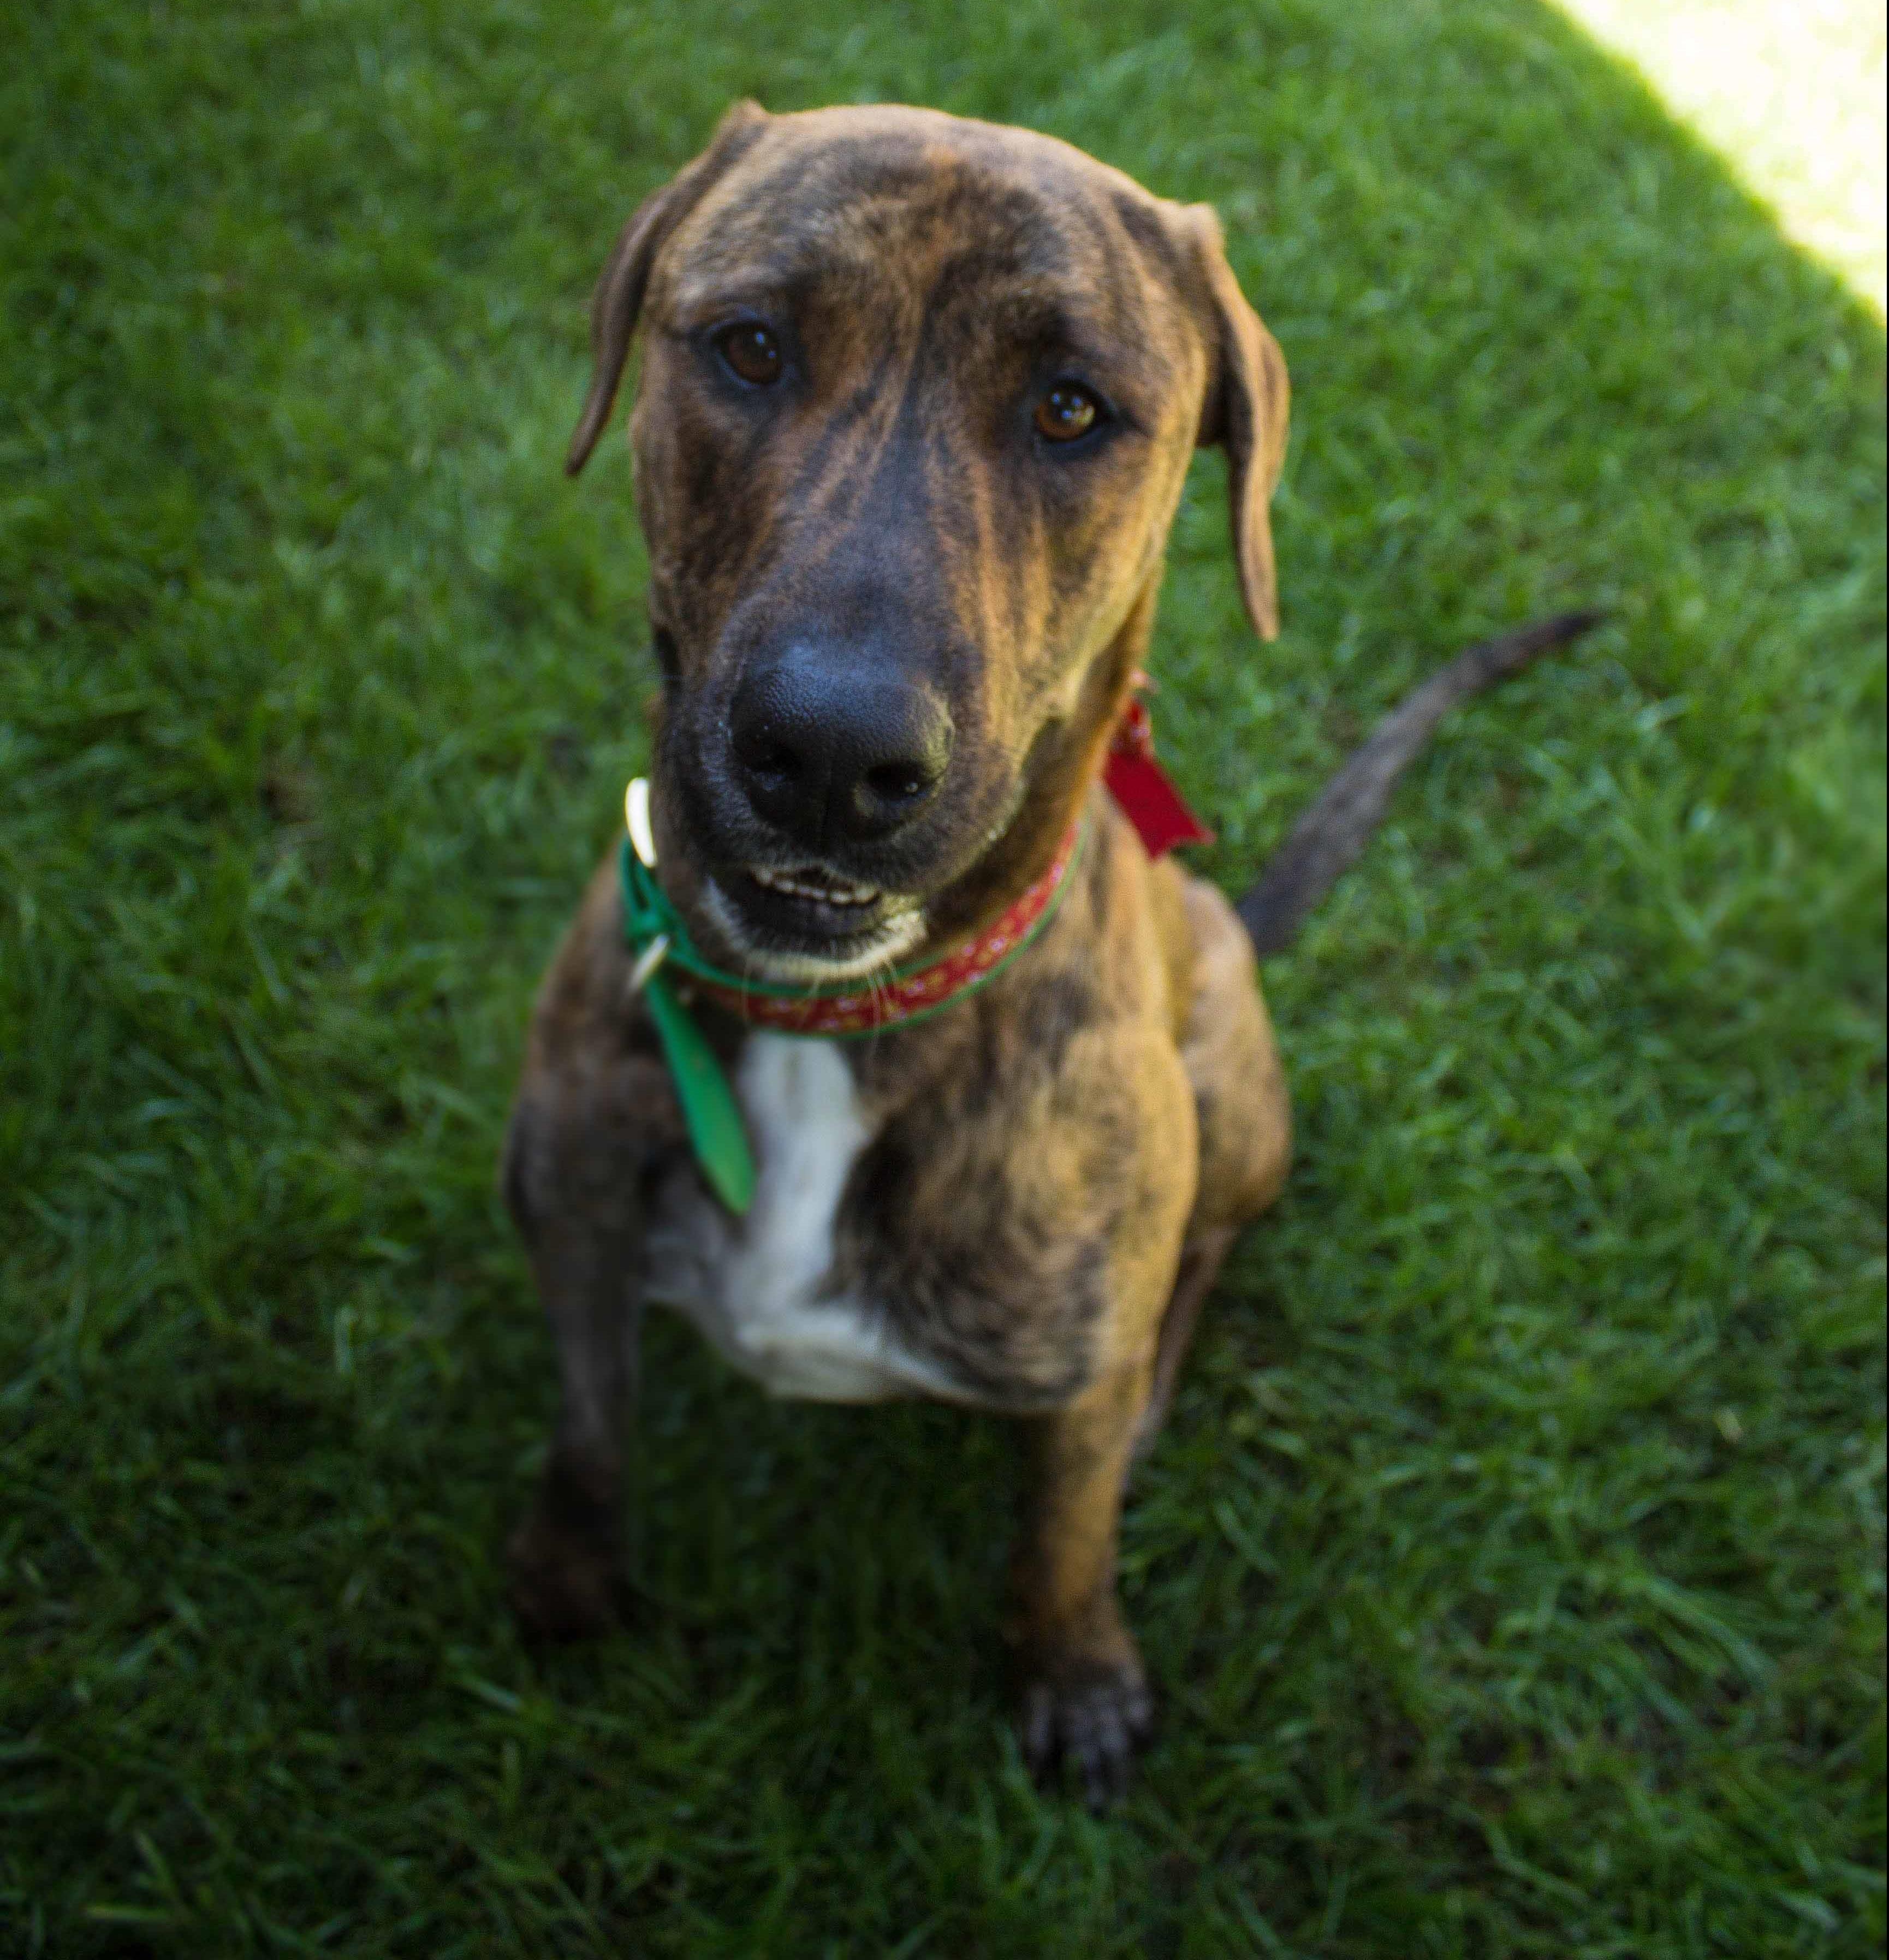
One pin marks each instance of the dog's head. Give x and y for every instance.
(917, 400)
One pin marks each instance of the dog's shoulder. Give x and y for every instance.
(1032, 1154)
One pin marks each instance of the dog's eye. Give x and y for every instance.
(751, 352)
(1066, 412)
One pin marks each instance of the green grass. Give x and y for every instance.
(1513, 1570)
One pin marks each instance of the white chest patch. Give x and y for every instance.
(756, 1285)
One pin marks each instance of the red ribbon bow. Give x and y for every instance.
(1144, 789)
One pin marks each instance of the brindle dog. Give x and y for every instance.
(916, 402)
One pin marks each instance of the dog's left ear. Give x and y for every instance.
(1245, 411)
(619, 297)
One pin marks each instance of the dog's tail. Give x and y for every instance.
(1326, 841)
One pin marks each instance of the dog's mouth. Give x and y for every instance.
(811, 924)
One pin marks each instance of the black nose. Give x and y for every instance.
(834, 748)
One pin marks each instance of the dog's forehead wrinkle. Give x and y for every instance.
(890, 204)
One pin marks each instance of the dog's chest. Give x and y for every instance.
(758, 1286)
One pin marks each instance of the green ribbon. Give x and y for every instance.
(716, 1129)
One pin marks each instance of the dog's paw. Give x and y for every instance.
(566, 1584)
(1094, 1718)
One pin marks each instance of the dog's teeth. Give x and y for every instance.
(834, 894)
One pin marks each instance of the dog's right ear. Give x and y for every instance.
(1248, 404)
(619, 297)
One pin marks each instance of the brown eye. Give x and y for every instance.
(1066, 412)
(752, 352)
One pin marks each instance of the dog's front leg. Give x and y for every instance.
(567, 1557)
(578, 1158)
(595, 1121)
(1084, 1692)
